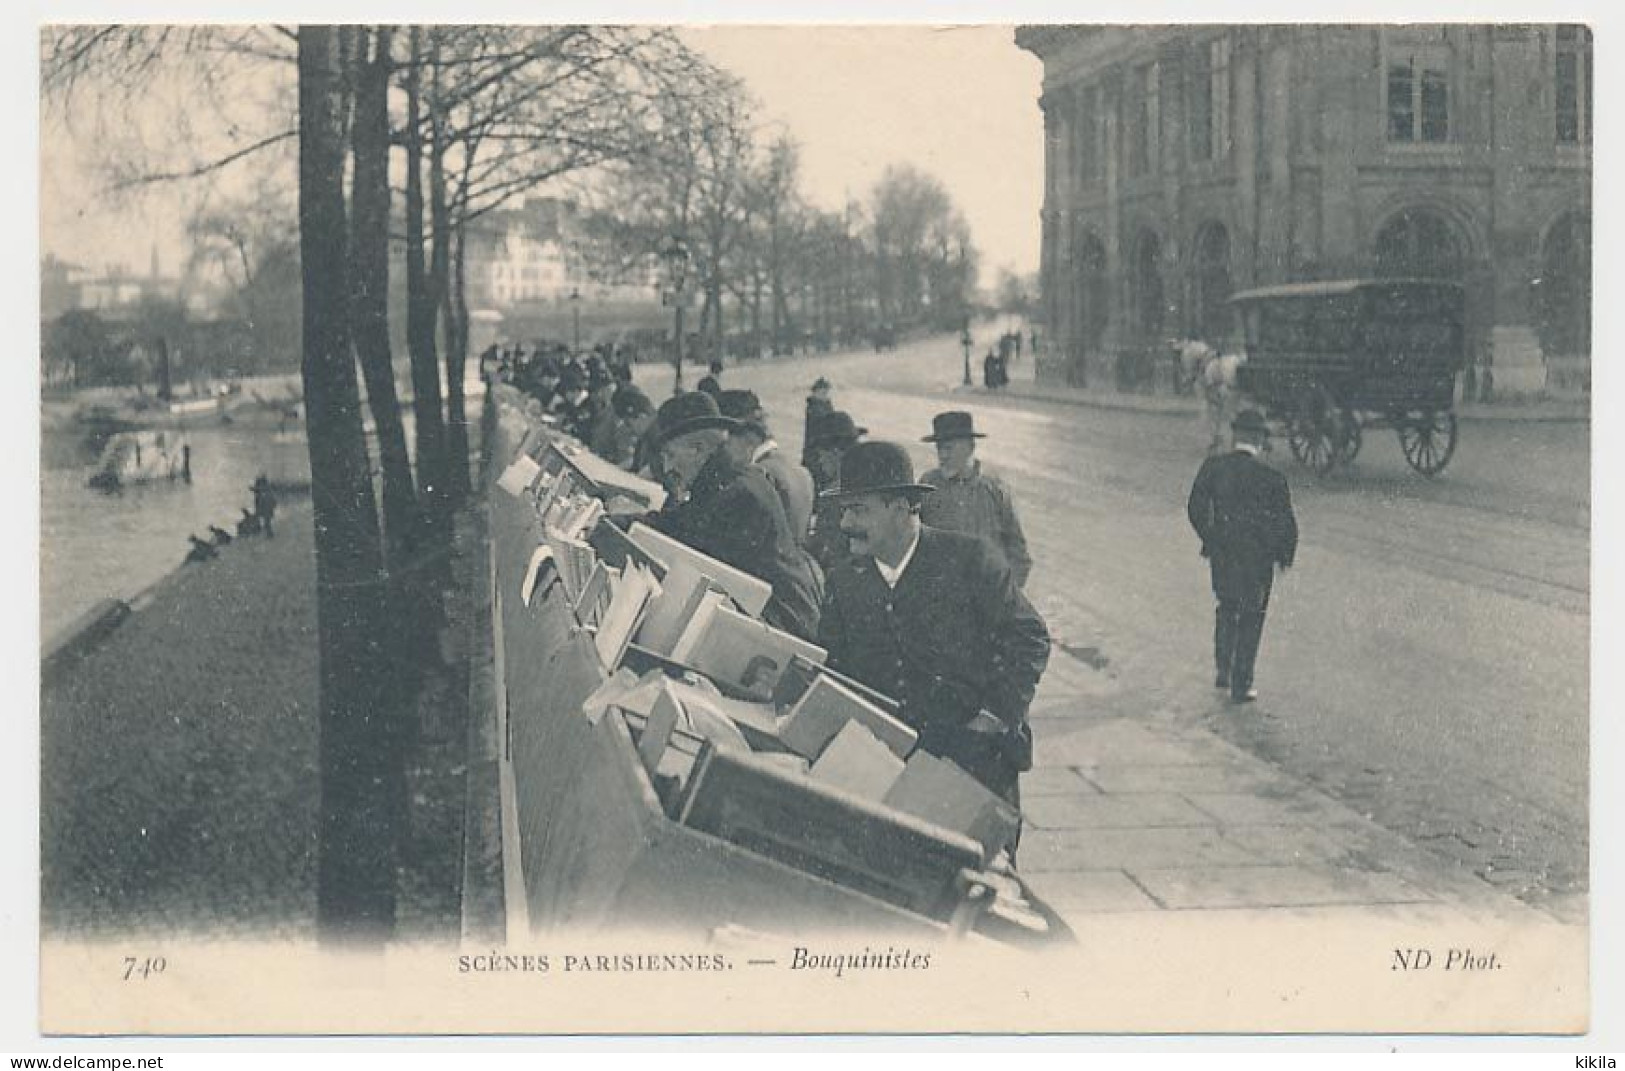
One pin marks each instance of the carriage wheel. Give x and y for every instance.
(1429, 441)
(1312, 443)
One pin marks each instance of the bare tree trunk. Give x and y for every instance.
(369, 287)
(420, 304)
(456, 362)
(355, 892)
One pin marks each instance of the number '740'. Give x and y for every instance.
(143, 967)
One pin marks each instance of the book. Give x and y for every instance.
(682, 591)
(726, 645)
(630, 594)
(800, 674)
(941, 793)
(858, 762)
(826, 707)
(595, 596)
(541, 571)
(665, 715)
(517, 477)
(750, 592)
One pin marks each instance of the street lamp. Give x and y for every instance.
(964, 340)
(674, 253)
(575, 314)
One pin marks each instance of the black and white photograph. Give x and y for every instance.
(925, 527)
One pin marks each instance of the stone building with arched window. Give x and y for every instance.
(1186, 162)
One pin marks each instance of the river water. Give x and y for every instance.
(96, 545)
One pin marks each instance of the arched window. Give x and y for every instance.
(1563, 290)
(1090, 292)
(1210, 279)
(1419, 244)
(1147, 279)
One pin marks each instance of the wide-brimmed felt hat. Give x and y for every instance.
(952, 425)
(1250, 421)
(876, 468)
(686, 412)
(834, 427)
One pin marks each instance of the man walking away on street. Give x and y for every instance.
(934, 620)
(819, 406)
(1242, 511)
(968, 499)
(264, 503)
(712, 384)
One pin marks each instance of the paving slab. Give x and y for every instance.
(1206, 778)
(1064, 742)
(1303, 844)
(1239, 809)
(1047, 850)
(1144, 811)
(1273, 886)
(1095, 892)
(1055, 781)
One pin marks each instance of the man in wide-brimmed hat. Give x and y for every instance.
(831, 436)
(968, 499)
(1242, 511)
(933, 619)
(752, 444)
(731, 512)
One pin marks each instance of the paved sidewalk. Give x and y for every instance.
(1129, 812)
(1543, 410)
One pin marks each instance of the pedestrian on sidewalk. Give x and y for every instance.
(1241, 509)
(264, 503)
(969, 499)
(933, 619)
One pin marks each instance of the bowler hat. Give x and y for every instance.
(690, 411)
(631, 402)
(952, 425)
(834, 428)
(1250, 421)
(821, 384)
(876, 468)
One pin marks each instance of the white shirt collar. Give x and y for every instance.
(762, 451)
(890, 575)
(1250, 449)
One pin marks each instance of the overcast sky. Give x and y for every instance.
(957, 102)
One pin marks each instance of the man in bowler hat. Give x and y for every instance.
(968, 499)
(1242, 511)
(731, 512)
(830, 437)
(751, 443)
(933, 619)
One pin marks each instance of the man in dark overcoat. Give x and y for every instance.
(752, 443)
(1242, 511)
(933, 619)
(731, 512)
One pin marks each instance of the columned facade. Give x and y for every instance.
(1185, 163)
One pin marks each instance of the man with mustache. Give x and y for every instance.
(933, 619)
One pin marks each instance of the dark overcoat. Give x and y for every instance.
(733, 514)
(1241, 509)
(954, 637)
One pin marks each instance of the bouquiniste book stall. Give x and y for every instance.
(673, 762)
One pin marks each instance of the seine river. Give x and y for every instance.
(95, 545)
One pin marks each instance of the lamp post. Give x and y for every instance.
(675, 255)
(964, 341)
(575, 314)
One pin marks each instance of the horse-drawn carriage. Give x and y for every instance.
(1331, 360)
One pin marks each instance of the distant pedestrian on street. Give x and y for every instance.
(818, 407)
(970, 500)
(712, 384)
(264, 503)
(1242, 511)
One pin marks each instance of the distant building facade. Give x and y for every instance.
(1185, 163)
(539, 252)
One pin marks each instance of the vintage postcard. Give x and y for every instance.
(1165, 447)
